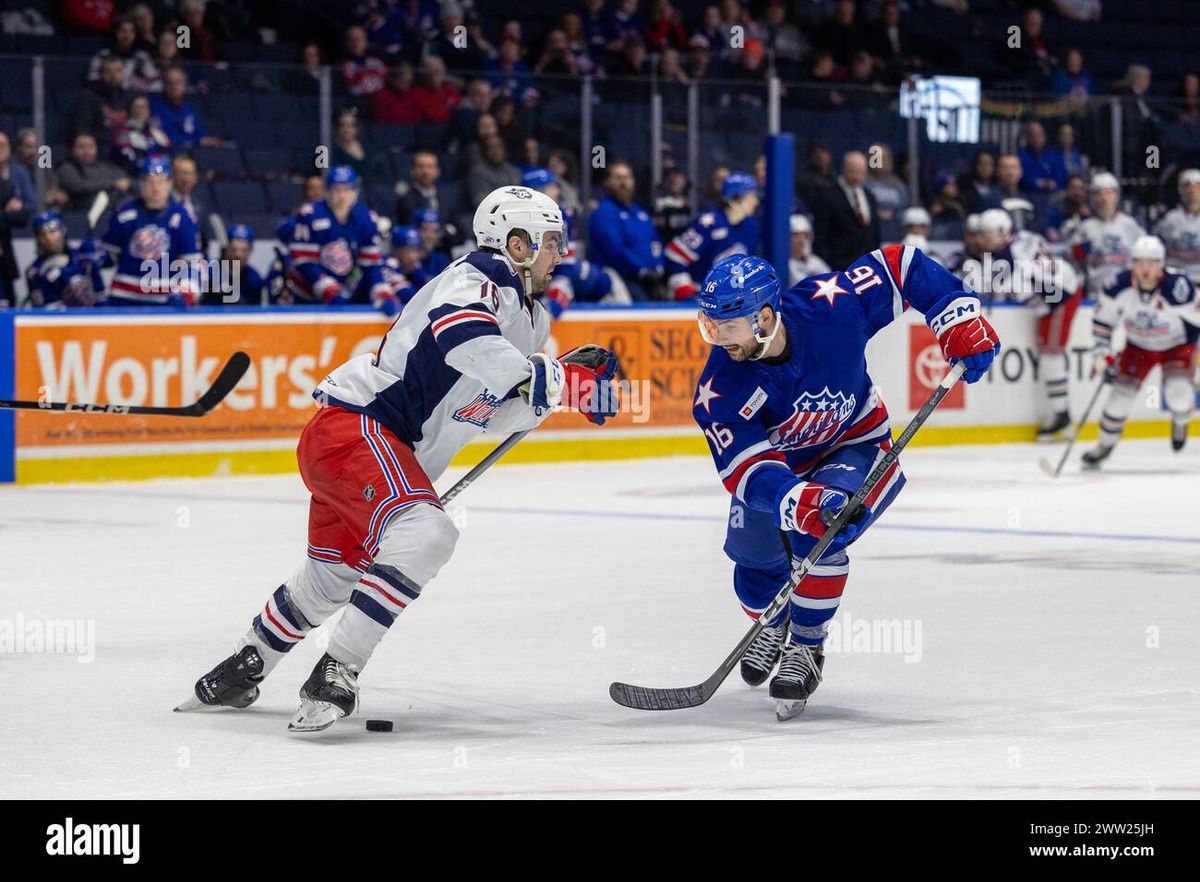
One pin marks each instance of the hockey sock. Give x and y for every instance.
(816, 598)
(1054, 377)
(382, 593)
(1116, 411)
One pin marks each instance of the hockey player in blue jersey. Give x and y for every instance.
(244, 289)
(402, 268)
(62, 276)
(730, 229)
(335, 251)
(795, 424)
(465, 356)
(155, 246)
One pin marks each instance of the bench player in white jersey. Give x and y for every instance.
(1179, 228)
(1161, 318)
(463, 356)
(1100, 244)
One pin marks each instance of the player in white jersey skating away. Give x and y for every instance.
(463, 356)
(1100, 244)
(1161, 319)
(1179, 228)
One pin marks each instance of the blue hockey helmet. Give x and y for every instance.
(156, 165)
(242, 232)
(738, 184)
(405, 236)
(538, 178)
(734, 292)
(426, 216)
(48, 220)
(341, 174)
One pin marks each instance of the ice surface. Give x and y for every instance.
(1057, 652)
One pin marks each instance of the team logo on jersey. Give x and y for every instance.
(479, 411)
(149, 242)
(337, 257)
(816, 418)
(369, 492)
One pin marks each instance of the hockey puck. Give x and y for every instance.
(379, 725)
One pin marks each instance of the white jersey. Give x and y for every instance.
(1180, 231)
(450, 365)
(802, 268)
(1157, 320)
(1102, 247)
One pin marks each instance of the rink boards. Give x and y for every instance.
(152, 357)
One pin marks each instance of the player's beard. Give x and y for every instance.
(743, 351)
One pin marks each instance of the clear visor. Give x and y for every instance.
(726, 332)
(557, 234)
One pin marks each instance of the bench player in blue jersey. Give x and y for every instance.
(795, 424)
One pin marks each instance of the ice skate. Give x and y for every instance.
(329, 694)
(1178, 436)
(798, 678)
(1055, 429)
(1095, 456)
(232, 683)
(760, 659)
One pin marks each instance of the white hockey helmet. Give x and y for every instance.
(1104, 181)
(915, 216)
(518, 208)
(1188, 176)
(799, 223)
(973, 223)
(995, 220)
(1148, 248)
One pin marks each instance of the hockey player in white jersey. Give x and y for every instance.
(463, 356)
(1161, 319)
(1179, 228)
(1100, 244)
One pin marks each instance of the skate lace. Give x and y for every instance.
(799, 662)
(338, 674)
(761, 653)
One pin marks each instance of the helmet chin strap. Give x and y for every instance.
(764, 343)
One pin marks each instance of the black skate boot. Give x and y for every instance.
(1178, 436)
(1053, 430)
(329, 693)
(1095, 456)
(232, 683)
(762, 656)
(798, 678)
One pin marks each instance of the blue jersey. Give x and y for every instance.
(56, 281)
(769, 423)
(331, 259)
(624, 239)
(711, 236)
(402, 286)
(156, 254)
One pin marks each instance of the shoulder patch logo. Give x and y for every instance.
(754, 403)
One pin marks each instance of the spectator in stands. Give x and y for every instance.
(891, 45)
(629, 62)
(664, 27)
(1068, 207)
(1065, 158)
(710, 197)
(841, 35)
(977, 188)
(1187, 99)
(699, 57)
(508, 75)
(1031, 60)
(1025, 212)
(138, 73)
(184, 177)
(348, 147)
(818, 172)
(464, 51)
(1139, 121)
(715, 33)
(577, 42)
(508, 124)
(465, 117)
(104, 104)
(946, 210)
(557, 59)
(425, 189)
(396, 102)
(1079, 10)
(1071, 80)
(597, 27)
(362, 73)
(670, 68)
(562, 164)
(83, 175)
(672, 209)
(13, 171)
(626, 23)
(14, 215)
(206, 29)
(417, 19)
(846, 216)
(891, 194)
(820, 90)
(139, 138)
(785, 45)
(313, 189)
(623, 237)
(435, 97)
(472, 153)
(146, 37)
(176, 116)
(493, 170)
(863, 86)
(1037, 169)
(749, 71)
(306, 80)
(27, 151)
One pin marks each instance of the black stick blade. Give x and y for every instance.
(229, 377)
(646, 698)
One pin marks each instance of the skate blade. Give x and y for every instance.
(192, 704)
(314, 716)
(785, 710)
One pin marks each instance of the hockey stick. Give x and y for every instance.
(237, 365)
(1045, 463)
(486, 463)
(98, 207)
(649, 698)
